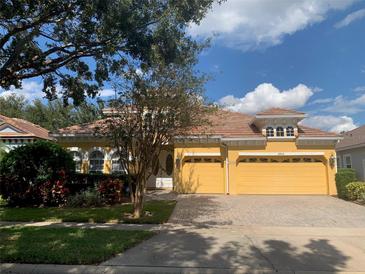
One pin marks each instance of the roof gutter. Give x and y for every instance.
(334, 138)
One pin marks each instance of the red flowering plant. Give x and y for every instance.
(54, 192)
(111, 190)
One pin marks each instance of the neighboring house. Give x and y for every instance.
(351, 151)
(268, 153)
(16, 132)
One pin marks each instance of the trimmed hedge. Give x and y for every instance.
(355, 191)
(344, 176)
(79, 182)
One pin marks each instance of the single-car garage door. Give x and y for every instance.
(203, 175)
(281, 176)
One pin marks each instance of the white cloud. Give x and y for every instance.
(107, 92)
(359, 89)
(30, 90)
(266, 96)
(317, 89)
(322, 101)
(253, 24)
(354, 16)
(33, 90)
(342, 104)
(330, 123)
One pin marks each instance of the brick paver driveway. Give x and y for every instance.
(267, 210)
(255, 234)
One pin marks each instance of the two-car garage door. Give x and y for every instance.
(260, 175)
(281, 176)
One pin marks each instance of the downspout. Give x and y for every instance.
(227, 168)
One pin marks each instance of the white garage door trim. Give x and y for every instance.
(306, 153)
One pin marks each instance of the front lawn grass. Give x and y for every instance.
(65, 245)
(160, 213)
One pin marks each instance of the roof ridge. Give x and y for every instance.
(275, 109)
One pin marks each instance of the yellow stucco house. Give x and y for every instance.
(267, 153)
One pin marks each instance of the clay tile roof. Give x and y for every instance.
(352, 138)
(280, 111)
(222, 123)
(82, 129)
(314, 132)
(24, 128)
(229, 124)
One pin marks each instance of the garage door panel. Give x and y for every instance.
(281, 178)
(203, 177)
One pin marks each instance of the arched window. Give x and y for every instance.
(169, 164)
(96, 161)
(77, 159)
(279, 131)
(289, 131)
(269, 132)
(116, 165)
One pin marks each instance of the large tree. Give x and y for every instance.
(51, 115)
(80, 44)
(154, 106)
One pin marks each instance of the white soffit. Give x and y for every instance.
(202, 154)
(306, 153)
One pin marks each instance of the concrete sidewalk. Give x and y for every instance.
(251, 230)
(118, 226)
(87, 269)
(273, 248)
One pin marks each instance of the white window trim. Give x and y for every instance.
(104, 159)
(102, 150)
(111, 154)
(273, 131)
(345, 162)
(80, 160)
(286, 131)
(284, 126)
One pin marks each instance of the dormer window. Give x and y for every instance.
(269, 132)
(289, 131)
(280, 132)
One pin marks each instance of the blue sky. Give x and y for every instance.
(303, 54)
(318, 45)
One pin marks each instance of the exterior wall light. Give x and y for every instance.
(332, 161)
(177, 163)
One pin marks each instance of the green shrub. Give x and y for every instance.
(111, 186)
(87, 198)
(344, 176)
(355, 191)
(35, 173)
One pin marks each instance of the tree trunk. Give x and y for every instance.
(138, 203)
(131, 191)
